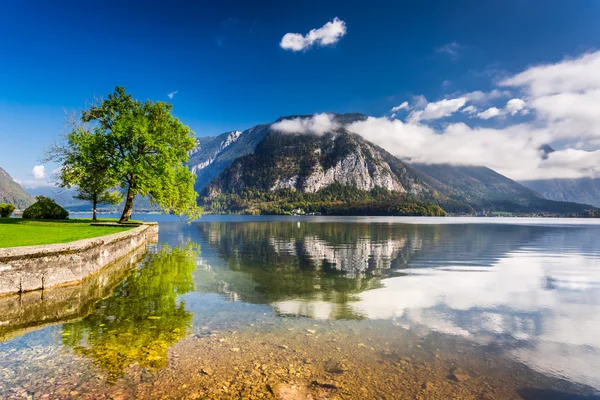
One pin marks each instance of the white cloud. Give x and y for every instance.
(451, 49)
(438, 109)
(512, 151)
(490, 113)
(470, 109)
(572, 76)
(318, 124)
(515, 106)
(38, 172)
(565, 96)
(483, 97)
(328, 34)
(403, 106)
(172, 94)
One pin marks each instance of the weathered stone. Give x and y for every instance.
(459, 375)
(28, 268)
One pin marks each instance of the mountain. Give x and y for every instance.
(215, 153)
(485, 189)
(252, 166)
(335, 173)
(582, 190)
(11, 192)
(63, 197)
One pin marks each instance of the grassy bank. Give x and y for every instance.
(22, 232)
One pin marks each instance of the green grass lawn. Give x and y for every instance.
(26, 232)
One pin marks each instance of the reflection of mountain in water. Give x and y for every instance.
(299, 267)
(531, 291)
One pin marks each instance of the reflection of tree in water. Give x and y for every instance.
(142, 318)
(333, 262)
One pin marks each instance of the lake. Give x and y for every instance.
(322, 308)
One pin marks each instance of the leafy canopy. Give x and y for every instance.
(6, 210)
(147, 151)
(84, 163)
(45, 208)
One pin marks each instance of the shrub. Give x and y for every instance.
(6, 210)
(45, 208)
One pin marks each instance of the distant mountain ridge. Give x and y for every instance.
(65, 198)
(11, 192)
(580, 190)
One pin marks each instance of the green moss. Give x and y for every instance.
(16, 232)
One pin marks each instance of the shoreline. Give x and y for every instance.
(30, 268)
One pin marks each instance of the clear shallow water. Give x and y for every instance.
(349, 307)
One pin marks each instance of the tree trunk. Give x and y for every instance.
(95, 203)
(128, 206)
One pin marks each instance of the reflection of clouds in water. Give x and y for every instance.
(556, 329)
(533, 291)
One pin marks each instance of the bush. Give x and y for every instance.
(6, 210)
(45, 208)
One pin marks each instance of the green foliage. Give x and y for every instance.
(143, 317)
(45, 208)
(6, 210)
(335, 199)
(84, 158)
(148, 150)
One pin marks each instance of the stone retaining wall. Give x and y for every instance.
(24, 312)
(29, 268)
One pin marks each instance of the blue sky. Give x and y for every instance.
(229, 71)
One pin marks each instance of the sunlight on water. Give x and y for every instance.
(322, 307)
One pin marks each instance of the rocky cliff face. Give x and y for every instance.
(352, 170)
(309, 163)
(214, 154)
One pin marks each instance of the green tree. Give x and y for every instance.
(147, 150)
(6, 210)
(45, 208)
(85, 164)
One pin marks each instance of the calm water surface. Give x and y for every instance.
(322, 308)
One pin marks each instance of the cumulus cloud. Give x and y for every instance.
(490, 113)
(470, 109)
(438, 109)
(328, 34)
(515, 106)
(318, 124)
(479, 96)
(403, 106)
(172, 94)
(38, 172)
